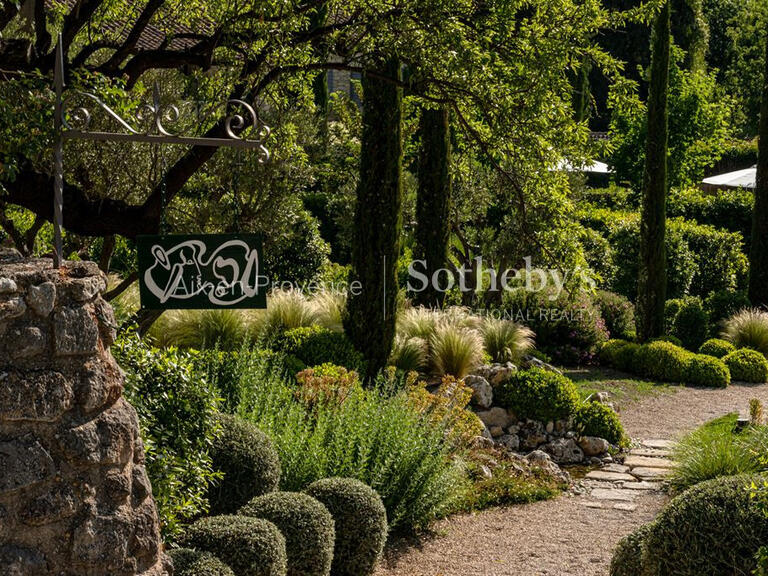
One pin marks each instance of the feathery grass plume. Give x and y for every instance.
(755, 412)
(417, 322)
(127, 303)
(409, 354)
(462, 317)
(286, 309)
(506, 341)
(455, 350)
(329, 308)
(200, 329)
(748, 329)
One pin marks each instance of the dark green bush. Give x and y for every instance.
(307, 526)
(595, 419)
(610, 350)
(663, 361)
(315, 345)
(188, 562)
(747, 366)
(668, 338)
(539, 395)
(726, 209)
(627, 357)
(722, 305)
(176, 406)
(628, 556)
(691, 324)
(618, 314)
(250, 546)
(716, 348)
(361, 524)
(712, 529)
(248, 462)
(705, 370)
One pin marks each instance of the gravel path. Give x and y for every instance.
(561, 537)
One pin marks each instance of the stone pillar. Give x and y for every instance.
(75, 499)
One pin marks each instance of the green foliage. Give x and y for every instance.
(248, 462)
(314, 345)
(715, 450)
(376, 435)
(307, 525)
(286, 310)
(299, 253)
(506, 341)
(595, 419)
(250, 546)
(663, 361)
(361, 524)
(713, 528)
(455, 350)
(628, 357)
(627, 558)
(177, 407)
(188, 562)
(609, 351)
(409, 354)
(716, 348)
(722, 305)
(725, 209)
(747, 366)
(748, 329)
(509, 486)
(618, 313)
(702, 370)
(691, 323)
(539, 395)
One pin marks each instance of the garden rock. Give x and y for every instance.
(593, 446)
(495, 374)
(532, 434)
(533, 362)
(496, 416)
(75, 498)
(542, 460)
(482, 393)
(564, 451)
(510, 441)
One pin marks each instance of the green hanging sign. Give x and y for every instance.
(203, 271)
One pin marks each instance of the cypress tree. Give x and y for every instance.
(582, 90)
(318, 19)
(758, 256)
(370, 321)
(652, 285)
(433, 201)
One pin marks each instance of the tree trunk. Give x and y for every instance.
(758, 256)
(652, 285)
(433, 202)
(581, 91)
(370, 321)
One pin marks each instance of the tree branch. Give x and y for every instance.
(122, 287)
(133, 36)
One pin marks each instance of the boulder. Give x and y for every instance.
(532, 434)
(564, 451)
(594, 446)
(510, 441)
(496, 416)
(482, 393)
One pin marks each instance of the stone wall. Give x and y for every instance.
(74, 494)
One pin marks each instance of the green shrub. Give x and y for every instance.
(506, 341)
(663, 361)
(188, 562)
(618, 314)
(455, 350)
(307, 525)
(595, 419)
(538, 394)
(314, 345)
(250, 546)
(716, 348)
(200, 329)
(627, 357)
(409, 354)
(610, 350)
(747, 366)
(691, 324)
(705, 370)
(176, 406)
(748, 329)
(726, 209)
(509, 485)
(713, 528)
(723, 304)
(361, 524)
(628, 556)
(248, 461)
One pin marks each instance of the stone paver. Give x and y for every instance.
(634, 461)
(650, 473)
(610, 476)
(614, 494)
(625, 506)
(658, 444)
(620, 468)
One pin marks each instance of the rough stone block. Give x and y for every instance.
(23, 463)
(12, 308)
(75, 331)
(102, 542)
(98, 384)
(55, 504)
(42, 396)
(27, 342)
(42, 298)
(7, 286)
(17, 561)
(107, 439)
(494, 417)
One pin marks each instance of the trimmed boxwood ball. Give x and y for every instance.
(188, 562)
(626, 358)
(249, 462)
(717, 348)
(747, 365)
(714, 528)
(628, 556)
(250, 546)
(595, 419)
(610, 350)
(307, 526)
(361, 524)
(705, 370)
(539, 395)
(663, 361)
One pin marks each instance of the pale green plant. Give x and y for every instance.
(329, 308)
(286, 310)
(506, 341)
(748, 329)
(200, 329)
(417, 322)
(455, 350)
(409, 354)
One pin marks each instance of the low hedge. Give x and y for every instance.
(307, 525)
(251, 546)
(663, 361)
(747, 365)
(703, 370)
(628, 556)
(360, 520)
(188, 562)
(315, 345)
(714, 528)
(539, 395)
(249, 462)
(717, 348)
(595, 419)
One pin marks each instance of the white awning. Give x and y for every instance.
(591, 168)
(740, 179)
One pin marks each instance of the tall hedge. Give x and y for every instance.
(758, 256)
(371, 311)
(652, 282)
